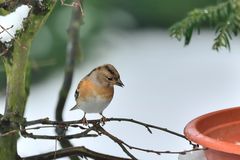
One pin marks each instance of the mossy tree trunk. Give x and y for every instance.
(17, 68)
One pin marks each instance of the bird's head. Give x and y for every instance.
(108, 75)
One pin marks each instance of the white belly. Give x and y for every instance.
(94, 105)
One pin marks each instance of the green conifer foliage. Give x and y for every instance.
(224, 17)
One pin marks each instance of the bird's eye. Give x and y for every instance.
(110, 78)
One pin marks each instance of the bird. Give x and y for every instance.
(95, 91)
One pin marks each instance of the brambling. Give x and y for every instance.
(95, 91)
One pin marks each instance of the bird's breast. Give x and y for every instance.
(90, 90)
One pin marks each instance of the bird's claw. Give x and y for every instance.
(84, 121)
(103, 120)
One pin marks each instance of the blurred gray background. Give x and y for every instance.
(166, 84)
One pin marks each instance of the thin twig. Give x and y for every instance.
(115, 139)
(59, 137)
(148, 126)
(72, 136)
(75, 4)
(122, 144)
(55, 149)
(6, 30)
(9, 133)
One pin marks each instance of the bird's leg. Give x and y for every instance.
(84, 120)
(103, 119)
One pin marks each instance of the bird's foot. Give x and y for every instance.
(84, 121)
(103, 120)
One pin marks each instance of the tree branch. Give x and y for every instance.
(72, 51)
(68, 123)
(78, 151)
(58, 137)
(148, 126)
(224, 17)
(78, 123)
(122, 144)
(115, 139)
(6, 30)
(94, 126)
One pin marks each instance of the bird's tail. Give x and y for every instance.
(75, 107)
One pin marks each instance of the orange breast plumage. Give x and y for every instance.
(92, 98)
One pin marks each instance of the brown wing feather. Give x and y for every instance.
(76, 95)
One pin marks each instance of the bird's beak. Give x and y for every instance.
(120, 83)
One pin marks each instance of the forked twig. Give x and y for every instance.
(75, 4)
(6, 30)
(122, 144)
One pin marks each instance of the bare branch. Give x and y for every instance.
(122, 144)
(71, 53)
(94, 126)
(115, 139)
(72, 50)
(97, 128)
(5, 49)
(9, 133)
(148, 126)
(78, 151)
(67, 123)
(6, 30)
(72, 136)
(75, 4)
(38, 121)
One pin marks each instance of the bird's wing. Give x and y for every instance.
(76, 95)
(75, 107)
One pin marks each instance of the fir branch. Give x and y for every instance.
(223, 36)
(225, 17)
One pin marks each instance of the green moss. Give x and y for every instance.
(9, 145)
(3, 12)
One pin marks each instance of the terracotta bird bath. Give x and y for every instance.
(219, 132)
